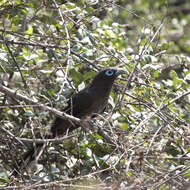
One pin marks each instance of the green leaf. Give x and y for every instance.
(29, 31)
(165, 46)
(76, 76)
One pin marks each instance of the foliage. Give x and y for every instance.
(51, 49)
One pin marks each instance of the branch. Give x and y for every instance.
(14, 94)
(21, 140)
(45, 45)
(175, 99)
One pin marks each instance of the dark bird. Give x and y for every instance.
(91, 100)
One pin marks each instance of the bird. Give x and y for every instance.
(91, 100)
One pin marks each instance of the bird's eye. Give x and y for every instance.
(109, 72)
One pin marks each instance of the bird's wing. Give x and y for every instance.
(80, 103)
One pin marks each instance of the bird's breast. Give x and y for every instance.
(99, 103)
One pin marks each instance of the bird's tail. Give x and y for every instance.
(31, 155)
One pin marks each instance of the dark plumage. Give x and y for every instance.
(91, 100)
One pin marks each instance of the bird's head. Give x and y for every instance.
(107, 76)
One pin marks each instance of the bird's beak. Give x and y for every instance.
(120, 71)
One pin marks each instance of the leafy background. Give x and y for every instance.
(50, 49)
